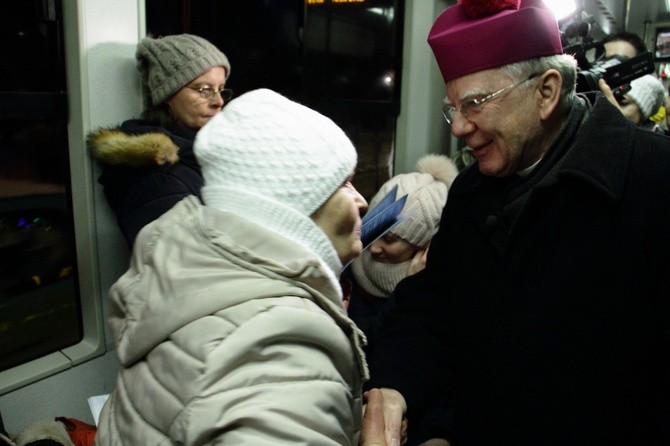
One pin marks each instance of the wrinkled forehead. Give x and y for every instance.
(476, 84)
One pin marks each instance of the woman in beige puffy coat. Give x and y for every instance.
(229, 324)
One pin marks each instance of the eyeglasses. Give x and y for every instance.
(475, 105)
(207, 92)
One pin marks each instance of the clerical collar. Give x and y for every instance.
(529, 169)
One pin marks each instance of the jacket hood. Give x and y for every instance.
(115, 147)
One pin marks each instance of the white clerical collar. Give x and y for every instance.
(529, 169)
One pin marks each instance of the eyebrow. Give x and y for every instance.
(478, 91)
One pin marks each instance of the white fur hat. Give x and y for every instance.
(426, 191)
(648, 93)
(275, 162)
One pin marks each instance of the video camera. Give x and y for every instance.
(617, 71)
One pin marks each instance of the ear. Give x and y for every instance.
(549, 87)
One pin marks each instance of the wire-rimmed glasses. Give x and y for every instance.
(474, 105)
(207, 92)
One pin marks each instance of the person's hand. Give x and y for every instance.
(373, 420)
(627, 107)
(384, 422)
(418, 261)
(395, 423)
(607, 92)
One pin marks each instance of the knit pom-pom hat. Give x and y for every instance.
(426, 191)
(169, 63)
(275, 162)
(648, 93)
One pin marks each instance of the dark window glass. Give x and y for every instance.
(342, 58)
(39, 302)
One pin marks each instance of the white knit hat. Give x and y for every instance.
(275, 162)
(426, 191)
(648, 93)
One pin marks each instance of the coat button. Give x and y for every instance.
(491, 221)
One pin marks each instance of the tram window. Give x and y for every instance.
(39, 300)
(342, 59)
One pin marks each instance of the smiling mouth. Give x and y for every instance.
(481, 149)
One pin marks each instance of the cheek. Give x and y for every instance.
(349, 218)
(184, 107)
(400, 253)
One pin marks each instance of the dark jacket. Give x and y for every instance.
(146, 170)
(556, 331)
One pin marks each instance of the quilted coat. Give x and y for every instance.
(232, 336)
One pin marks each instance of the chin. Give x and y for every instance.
(354, 252)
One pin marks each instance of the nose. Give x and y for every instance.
(216, 100)
(361, 203)
(461, 126)
(375, 248)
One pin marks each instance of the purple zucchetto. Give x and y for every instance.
(476, 35)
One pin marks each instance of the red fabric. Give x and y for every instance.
(463, 45)
(81, 434)
(480, 8)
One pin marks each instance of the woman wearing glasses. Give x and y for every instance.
(148, 164)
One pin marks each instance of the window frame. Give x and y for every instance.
(101, 91)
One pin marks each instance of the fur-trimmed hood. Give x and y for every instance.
(115, 147)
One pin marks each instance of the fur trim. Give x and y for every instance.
(440, 167)
(118, 148)
(44, 430)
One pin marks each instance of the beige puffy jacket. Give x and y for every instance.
(230, 334)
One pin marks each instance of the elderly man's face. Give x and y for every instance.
(503, 133)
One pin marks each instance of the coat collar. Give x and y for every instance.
(602, 150)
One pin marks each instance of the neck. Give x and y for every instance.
(538, 147)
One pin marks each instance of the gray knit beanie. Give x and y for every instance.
(648, 93)
(426, 191)
(168, 63)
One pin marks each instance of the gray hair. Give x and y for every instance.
(565, 64)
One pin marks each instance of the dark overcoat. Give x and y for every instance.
(556, 331)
